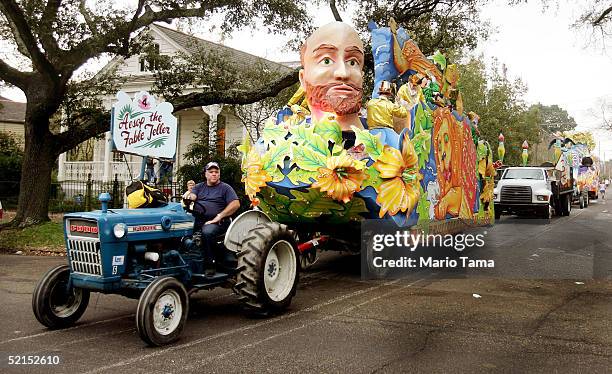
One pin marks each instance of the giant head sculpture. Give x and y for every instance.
(332, 73)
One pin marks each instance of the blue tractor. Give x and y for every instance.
(153, 255)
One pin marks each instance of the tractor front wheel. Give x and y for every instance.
(162, 311)
(268, 268)
(55, 303)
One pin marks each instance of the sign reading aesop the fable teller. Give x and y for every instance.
(142, 127)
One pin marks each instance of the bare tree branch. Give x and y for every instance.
(26, 42)
(332, 5)
(602, 17)
(235, 96)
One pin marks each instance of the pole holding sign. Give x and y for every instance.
(142, 127)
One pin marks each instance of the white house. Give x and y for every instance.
(105, 164)
(12, 118)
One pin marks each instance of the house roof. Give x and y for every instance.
(12, 111)
(192, 44)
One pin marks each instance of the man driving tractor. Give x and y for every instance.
(215, 201)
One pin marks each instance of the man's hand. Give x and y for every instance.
(213, 221)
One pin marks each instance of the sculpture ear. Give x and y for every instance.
(301, 77)
(372, 26)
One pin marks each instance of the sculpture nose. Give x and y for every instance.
(341, 71)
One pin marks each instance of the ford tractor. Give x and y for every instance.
(153, 255)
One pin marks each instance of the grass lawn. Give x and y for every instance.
(47, 238)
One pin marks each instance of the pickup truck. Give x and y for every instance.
(534, 190)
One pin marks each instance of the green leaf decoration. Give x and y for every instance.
(351, 211)
(276, 174)
(374, 178)
(275, 205)
(127, 108)
(306, 137)
(423, 207)
(422, 146)
(312, 204)
(372, 143)
(156, 143)
(274, 133)
(329, 130)
(439, 59)
(298, 175)
(337, 149)
(276, 155)
(134, 115)
(308, 159)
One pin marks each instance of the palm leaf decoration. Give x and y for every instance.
(127, 108)
(156, 143)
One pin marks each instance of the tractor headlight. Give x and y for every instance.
(119, 230)
(542, 198)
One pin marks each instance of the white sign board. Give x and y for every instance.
(143, 127)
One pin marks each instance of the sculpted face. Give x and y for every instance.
(445, 150)
(332, 74)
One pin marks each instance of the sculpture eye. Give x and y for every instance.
(353, 63)
(327, 61)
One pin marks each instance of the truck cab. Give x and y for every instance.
(533, 190)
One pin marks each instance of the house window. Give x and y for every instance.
(117, 157)
(150, 64)
(221, 134)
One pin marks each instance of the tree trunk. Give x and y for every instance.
(38, 161)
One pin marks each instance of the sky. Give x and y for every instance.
(536, 45)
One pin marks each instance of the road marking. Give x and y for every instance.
(242, 329)
(67, 329)
(250, 345)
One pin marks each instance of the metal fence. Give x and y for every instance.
(80, 196)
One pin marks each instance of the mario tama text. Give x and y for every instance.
(388, 251)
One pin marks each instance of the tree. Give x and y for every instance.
(54, 39)
(447, 25)
(554, 118)
(498, 102)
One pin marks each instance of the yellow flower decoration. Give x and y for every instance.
(254, 176)
(400, 191)
(341, 177)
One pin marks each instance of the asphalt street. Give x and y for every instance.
(545, 308)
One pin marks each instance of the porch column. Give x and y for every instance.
(212, 111)
(107, 156)
(61, 164)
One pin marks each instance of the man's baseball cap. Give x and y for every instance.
(211, 165)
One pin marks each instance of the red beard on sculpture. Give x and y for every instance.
(320, 98)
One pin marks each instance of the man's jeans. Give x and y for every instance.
(209, 235)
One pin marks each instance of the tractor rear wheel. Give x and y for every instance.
(162, 311)
(268, 268)
(56, 304)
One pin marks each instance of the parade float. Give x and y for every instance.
(428, 170)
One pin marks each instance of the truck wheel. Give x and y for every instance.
(55, 304)
(582, 203)
(268, 268)
(162, 311)
(497, 214)
(547, 212)
(567, 201)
